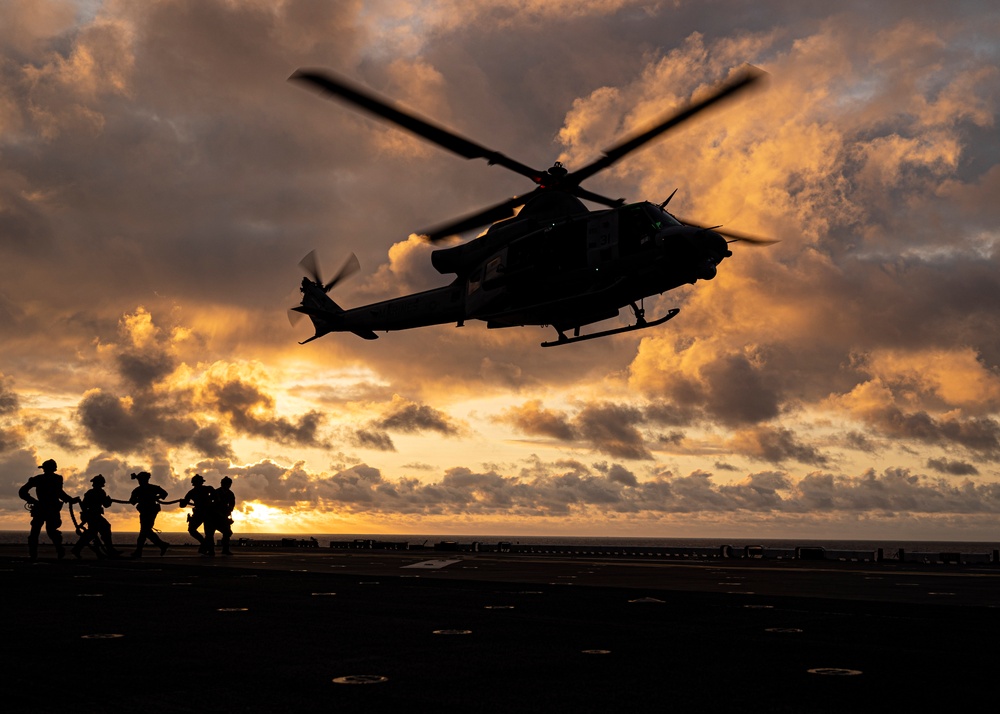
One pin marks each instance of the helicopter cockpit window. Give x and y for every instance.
(636, 228)
(659, 217)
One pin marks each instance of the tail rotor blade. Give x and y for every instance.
(310, 265)
(350, 267)
(294, 317)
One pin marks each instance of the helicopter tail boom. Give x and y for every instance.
(326, 315)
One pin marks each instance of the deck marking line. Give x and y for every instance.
(431, 564)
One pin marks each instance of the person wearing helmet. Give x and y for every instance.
(200, 496)
(45, 506)
(224, 501)
(92, 518)
(146, 498)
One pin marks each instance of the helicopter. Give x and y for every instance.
(553, 263)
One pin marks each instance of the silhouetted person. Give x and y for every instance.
(92, 517)
(45, 506)
(224, 501)
(146, 498)
(201, 496)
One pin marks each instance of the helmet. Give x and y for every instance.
(141, 476)
(226, 481)
(98, 479)
(49, 465)
(197, 479)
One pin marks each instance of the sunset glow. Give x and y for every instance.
(160, 180)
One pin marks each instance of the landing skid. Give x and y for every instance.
(640, 324)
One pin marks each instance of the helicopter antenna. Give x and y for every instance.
(664, 204)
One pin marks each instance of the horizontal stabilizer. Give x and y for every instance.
(331, 317)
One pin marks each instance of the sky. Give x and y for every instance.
(160, 179)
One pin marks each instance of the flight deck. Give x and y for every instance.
(309, 630)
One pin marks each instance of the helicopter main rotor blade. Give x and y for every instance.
(596, 197)
(735, 237)
(732, 235)
(622, 149)
(445, 138)
(480, 218)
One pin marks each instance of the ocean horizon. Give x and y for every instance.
(14, 537)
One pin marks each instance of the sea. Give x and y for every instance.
(889, 546)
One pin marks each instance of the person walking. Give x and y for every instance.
(96, 526)
(224, 501)
(146, 498)
(45, 506)
(200, 496)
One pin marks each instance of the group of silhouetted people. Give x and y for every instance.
(212, 512)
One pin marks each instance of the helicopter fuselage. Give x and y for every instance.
(567, 271)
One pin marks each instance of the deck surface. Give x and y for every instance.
(271, 630)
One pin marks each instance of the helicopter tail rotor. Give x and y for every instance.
(310, 264)
(326, 315)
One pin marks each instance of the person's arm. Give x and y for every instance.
(66, 498)
(23, 492)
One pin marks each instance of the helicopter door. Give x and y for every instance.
(484, 283)
(602, 239)
(494, 273)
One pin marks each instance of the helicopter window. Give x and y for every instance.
(659, 217)
(636, 228)
(475, 280)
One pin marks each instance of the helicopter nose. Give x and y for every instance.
(714, 249)
(718, 246)
(712, 246)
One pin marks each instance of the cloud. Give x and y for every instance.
(9, 401)
(619, 474)
(608, 428)
(564, 488)
(611, 429)
(405, 417)
(16, 467)
(533, 419)
(733, 387)
(10, 439)
(266, 481)
(234, 392)
(168, 402)
(954, 468)
(409, 417)
(874, 403)
(369, 439)
(775, 445)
